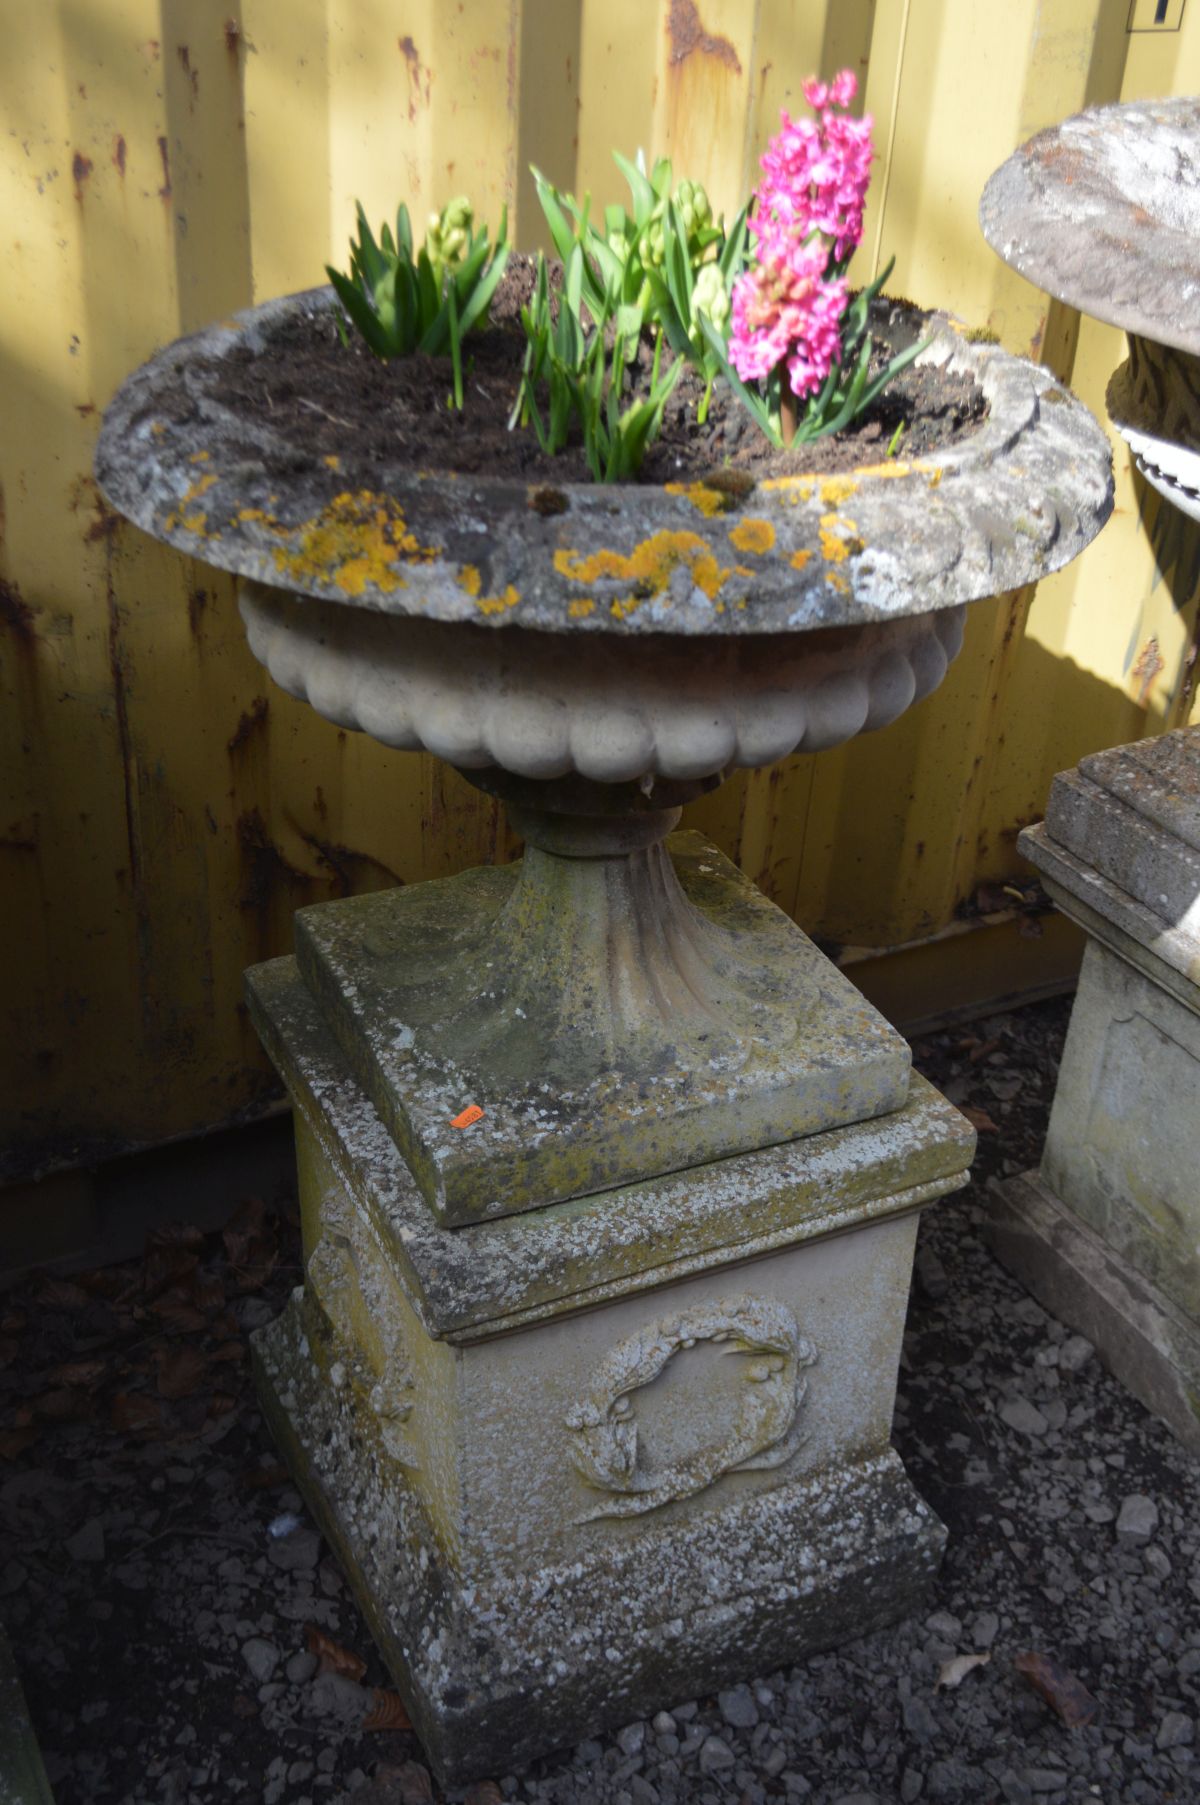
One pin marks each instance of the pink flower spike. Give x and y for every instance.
(816, 93)
(843, 88)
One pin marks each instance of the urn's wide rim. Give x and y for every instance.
(1016, 498)
(1103, 212)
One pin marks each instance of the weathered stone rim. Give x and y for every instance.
(1018, 497)
(1054, 212)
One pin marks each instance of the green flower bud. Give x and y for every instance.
(702, 205)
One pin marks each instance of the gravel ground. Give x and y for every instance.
(161, 1584)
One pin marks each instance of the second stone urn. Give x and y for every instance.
(609, 1179)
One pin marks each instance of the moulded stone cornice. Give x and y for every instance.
(1015, 498)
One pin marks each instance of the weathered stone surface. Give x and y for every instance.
(1151, 1345)
(528, 702)
(1132, 814)
(610, 1024)
(671, 1468)
(1019, 497)
(465, 1282)
(1103, 211)
(1121, 1149)
(1108, 1235)
(497, 1666)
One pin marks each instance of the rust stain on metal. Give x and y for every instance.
(164, 153)
(254, 718)
(685, 29)
(81, 169)
(264, 868)
(16, 615)
(1149, 663)
(185, 63)
(118, 671)
(419, 77)
(197, 603)
(118, 154)
(352, 871)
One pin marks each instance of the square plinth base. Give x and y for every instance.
(438, 999)
(496, 1672)
(588, 1460)
(1143, 1337)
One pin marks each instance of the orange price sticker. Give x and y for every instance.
(472, 1113)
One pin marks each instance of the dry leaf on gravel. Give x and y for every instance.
(953, 1673)
(61, 1294)
(408, 1784)
(182, 1370)
(251, 1243)
(484, 1792)
(387, 1712)
(15, 1441)
(80, 1372)
(133, 1413)
(979, 1119)
(264, 1479)
(332, 1656)
(1067, 1696)
(176, 1311)
(65, 1404)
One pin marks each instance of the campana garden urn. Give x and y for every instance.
(1103, 211)
(609, 1179)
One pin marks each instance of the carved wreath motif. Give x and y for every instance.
(604, 1428)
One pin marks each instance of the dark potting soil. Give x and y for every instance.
(341, 401)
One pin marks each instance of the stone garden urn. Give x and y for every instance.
(609, 1179)
(1103, 211)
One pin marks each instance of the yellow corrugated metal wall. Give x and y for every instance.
(164, 809)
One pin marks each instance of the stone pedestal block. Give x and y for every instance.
(1108, 1234)
(583, 1460)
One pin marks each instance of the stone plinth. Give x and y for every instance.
(1107, 1234)
(584, 1460)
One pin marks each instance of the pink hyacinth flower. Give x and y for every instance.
(806, 219)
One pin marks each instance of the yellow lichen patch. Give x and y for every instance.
(195, 523)
(837, 489)
(791, 488)
(157, 429)
(707, 501)
(581, 607)
(199, 457)
(246, 514)
(469, 579)
(799, 559)
(893, 468)
(839, 538)
(357, 541)
(648, 566)
(200, 487)
(934, 478)
(333, 460)
(837, 581)
(498, 604)
(752, 535)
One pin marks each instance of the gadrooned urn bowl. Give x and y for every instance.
(1103, 212)
(619, 634)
